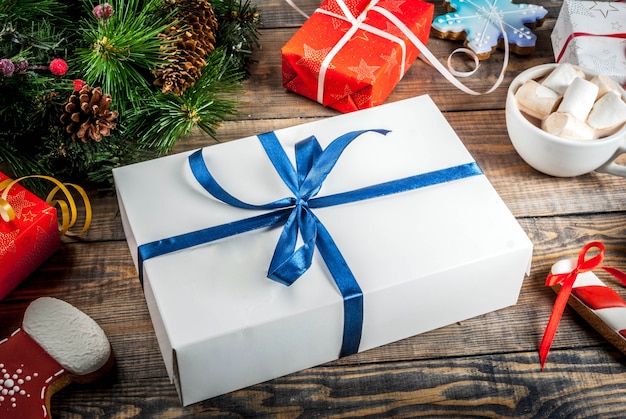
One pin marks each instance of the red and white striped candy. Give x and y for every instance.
(598, 299)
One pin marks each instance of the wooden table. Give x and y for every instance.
(486, 366)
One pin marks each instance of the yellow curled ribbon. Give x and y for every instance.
(67, 207)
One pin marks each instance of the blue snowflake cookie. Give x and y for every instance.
(478, 23)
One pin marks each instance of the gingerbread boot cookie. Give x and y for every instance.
(56, 345)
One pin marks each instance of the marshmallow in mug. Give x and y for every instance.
(566, 104)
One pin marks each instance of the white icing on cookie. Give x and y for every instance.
(67, 334)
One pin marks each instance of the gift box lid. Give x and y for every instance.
(423, 258)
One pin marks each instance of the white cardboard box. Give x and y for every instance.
(590, 34)
(424, 258)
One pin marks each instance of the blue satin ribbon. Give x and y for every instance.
(295, 215)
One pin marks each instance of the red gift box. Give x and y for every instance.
(27, 240)
(350, 54)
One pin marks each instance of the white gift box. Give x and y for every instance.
(424, 258)
(592, 34)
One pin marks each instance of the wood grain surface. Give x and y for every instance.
(487, 366)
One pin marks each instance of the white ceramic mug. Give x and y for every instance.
(558, 156)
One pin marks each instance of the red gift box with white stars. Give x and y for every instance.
(350, 54)
(28, 240)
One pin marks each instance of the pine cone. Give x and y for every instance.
(86, 115)
(192, 38)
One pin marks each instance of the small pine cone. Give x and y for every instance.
(86, 115)
(193, 38)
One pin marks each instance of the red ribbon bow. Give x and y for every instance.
(566, 280)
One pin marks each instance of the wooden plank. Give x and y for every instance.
(498, 386)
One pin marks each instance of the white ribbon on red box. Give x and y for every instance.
(358, 23)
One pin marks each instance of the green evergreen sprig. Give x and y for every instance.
(117, 51)
(205, 105)
(123, 49)
(26, 11)
(238, 30)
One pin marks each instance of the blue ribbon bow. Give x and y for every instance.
(295, 214)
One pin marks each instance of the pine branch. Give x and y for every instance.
(238, 30)
(123, 48)
(95, 160)
(21, 164)
(36, 42)
(205, 105)
(120, 54)
(33, 10)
